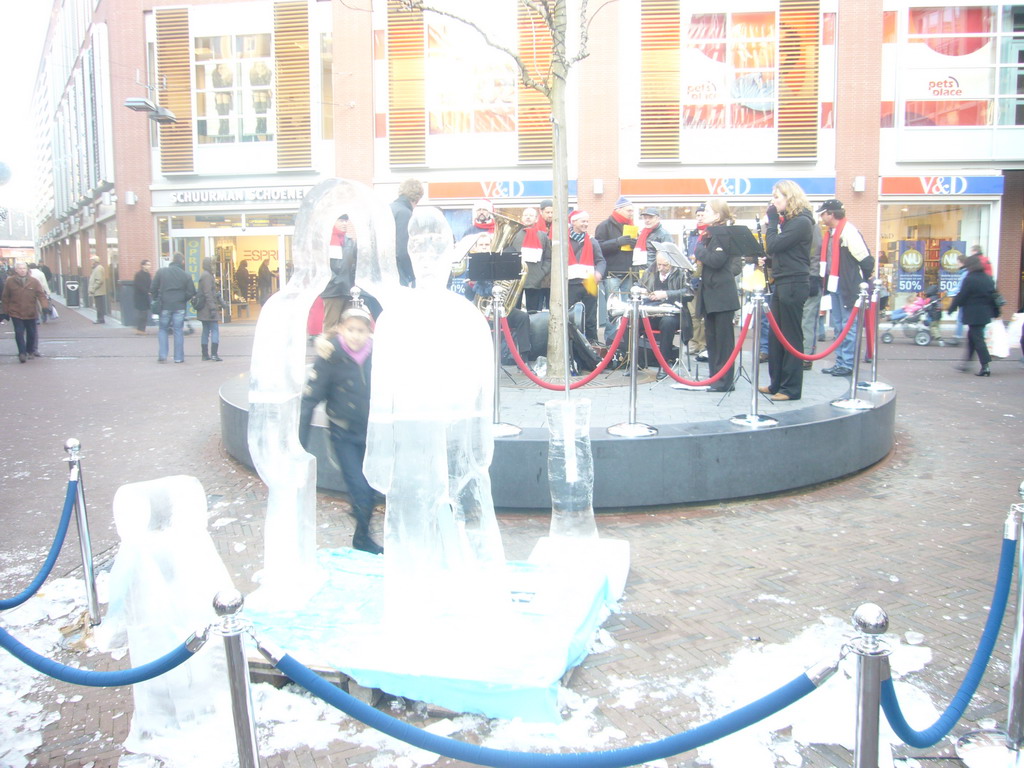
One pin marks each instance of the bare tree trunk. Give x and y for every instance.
(558, 337)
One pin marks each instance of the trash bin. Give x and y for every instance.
(72, 294)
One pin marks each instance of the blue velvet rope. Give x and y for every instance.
(88, 677)
(498, 758)
(58, 542)
(942, 726)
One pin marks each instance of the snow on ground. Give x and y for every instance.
(289, 718)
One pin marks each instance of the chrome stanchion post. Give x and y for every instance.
(228, 604)
(632, 428)
(499, 428)
(991, 746)
(872, 653)
(852, 402)
(754, 419)
(74, 460)
(875, 385)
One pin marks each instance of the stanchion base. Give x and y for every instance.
(753, 420)
(632, 430)
(987, 749)
(853, 404)
(501, 429)
(689, 387)
(875, 386)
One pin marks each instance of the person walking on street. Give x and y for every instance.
(208, 312)
(341, 377)
(977, 299)
(22, 295)
(845, 262)
(98, 289)
(141, 285)
(172, 288)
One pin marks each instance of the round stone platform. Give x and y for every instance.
(697, 455)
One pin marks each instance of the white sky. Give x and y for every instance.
(21, 42)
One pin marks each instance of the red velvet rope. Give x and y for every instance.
(870, 318)
(832, 348)
(668, 369)
(505, 329)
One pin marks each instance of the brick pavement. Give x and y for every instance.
(918, 533)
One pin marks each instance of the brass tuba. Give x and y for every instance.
(510, 291)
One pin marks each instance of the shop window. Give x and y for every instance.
(931, 113)
(234, 86)
(920, 243)
(728, 71)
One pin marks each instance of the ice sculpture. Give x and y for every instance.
(278, 371)
(429, 443)
(161, 590)
(570, 469)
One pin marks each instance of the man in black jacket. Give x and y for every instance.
(409, 194)
(617, 248)
(172, 288)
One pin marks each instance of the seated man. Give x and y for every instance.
(667, 285)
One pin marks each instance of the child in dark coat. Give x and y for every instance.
(341, 377)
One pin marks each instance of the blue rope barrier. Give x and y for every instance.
(58, 542)
(676, 744)
(88, 677)
(942, 726)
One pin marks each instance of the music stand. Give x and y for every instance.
(681, 261)
(489, 267)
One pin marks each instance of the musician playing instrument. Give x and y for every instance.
(668, 285)
(518, 320)
(534, 246)
(585, 270)
(720, 250)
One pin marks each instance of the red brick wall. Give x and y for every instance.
(598, 78)
(858, 95)
(1011, 260)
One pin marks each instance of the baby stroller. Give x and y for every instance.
(921, 325)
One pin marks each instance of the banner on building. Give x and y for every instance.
(950, 252)
(910, 268)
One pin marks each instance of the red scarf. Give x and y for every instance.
(531, 249)
(641, 240)
(622, 219)
(334, 250)
(581, 264)
(489, 226)
(532, 237)
(831, 284)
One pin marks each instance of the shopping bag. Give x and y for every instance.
(997, 339)
(53, 312)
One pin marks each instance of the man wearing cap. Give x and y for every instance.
(586, 265)
(845, 262)
(98, 288)
(651, 233)
(617, 247)
(547, 215)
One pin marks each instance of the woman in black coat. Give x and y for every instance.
(720, 251)
(977, 299)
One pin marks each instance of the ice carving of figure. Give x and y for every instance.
(161, 590)
(429, 443)
(277, 375)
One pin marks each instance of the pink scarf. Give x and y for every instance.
(358, 355)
